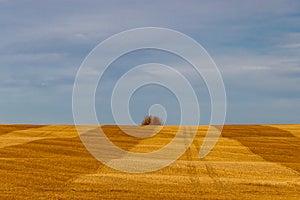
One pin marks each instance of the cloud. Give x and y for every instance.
(255, 44)
(291, 46)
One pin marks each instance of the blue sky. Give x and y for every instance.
(255, 44)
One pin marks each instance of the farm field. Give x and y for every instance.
(248, 162)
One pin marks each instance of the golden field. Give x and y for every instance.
(248, 162)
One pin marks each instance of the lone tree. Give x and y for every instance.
(152, 120)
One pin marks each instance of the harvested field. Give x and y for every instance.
(248, 162)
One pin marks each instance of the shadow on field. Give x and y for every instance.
(116, 136)
(4, 129)
(31, 169)
(272, 144)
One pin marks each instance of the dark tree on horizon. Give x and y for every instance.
(151, 120)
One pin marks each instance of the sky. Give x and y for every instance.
(255, 44)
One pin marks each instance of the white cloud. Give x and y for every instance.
(291, 46)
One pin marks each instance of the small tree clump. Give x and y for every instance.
(152, 120)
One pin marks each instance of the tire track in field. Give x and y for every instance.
(221, 187)
(192, 156)
(192, 169)
(132, 144)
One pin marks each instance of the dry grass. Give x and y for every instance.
(248, 162)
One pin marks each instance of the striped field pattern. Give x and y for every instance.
(248, 162)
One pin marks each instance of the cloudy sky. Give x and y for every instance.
(255, 44)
